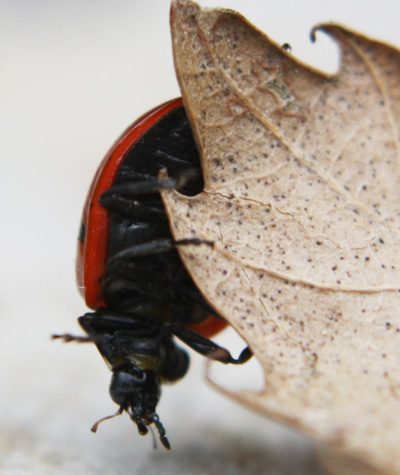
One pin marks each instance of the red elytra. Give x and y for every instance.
(93, 248)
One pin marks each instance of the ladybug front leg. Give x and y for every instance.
(208, 348)
(147, 186)
(122, 198)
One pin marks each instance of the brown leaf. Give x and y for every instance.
(302, 200)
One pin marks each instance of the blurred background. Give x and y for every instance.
(73, 76)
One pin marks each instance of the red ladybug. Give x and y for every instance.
(130, 273)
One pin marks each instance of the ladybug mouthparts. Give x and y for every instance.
(142, 422)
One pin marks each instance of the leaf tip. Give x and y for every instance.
(320, 27)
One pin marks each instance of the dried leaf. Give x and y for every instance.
(302, 200)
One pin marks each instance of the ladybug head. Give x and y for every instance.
(137, 391)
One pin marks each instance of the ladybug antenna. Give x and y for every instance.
(161, 431)
(96, 425)
(143, 429)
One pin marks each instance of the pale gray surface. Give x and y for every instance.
(73, 76)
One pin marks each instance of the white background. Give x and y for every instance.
(73, 75)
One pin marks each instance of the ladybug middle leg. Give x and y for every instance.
(68, 337)
(156, 246)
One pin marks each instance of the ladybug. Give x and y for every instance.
(130, 273)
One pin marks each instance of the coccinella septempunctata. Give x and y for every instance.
(130, 273)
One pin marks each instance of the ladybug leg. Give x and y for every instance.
(67, 337)
(156, 246)
(142, 187)
(147, 186)
(122, 198)
(208, 348)
(128, 207)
